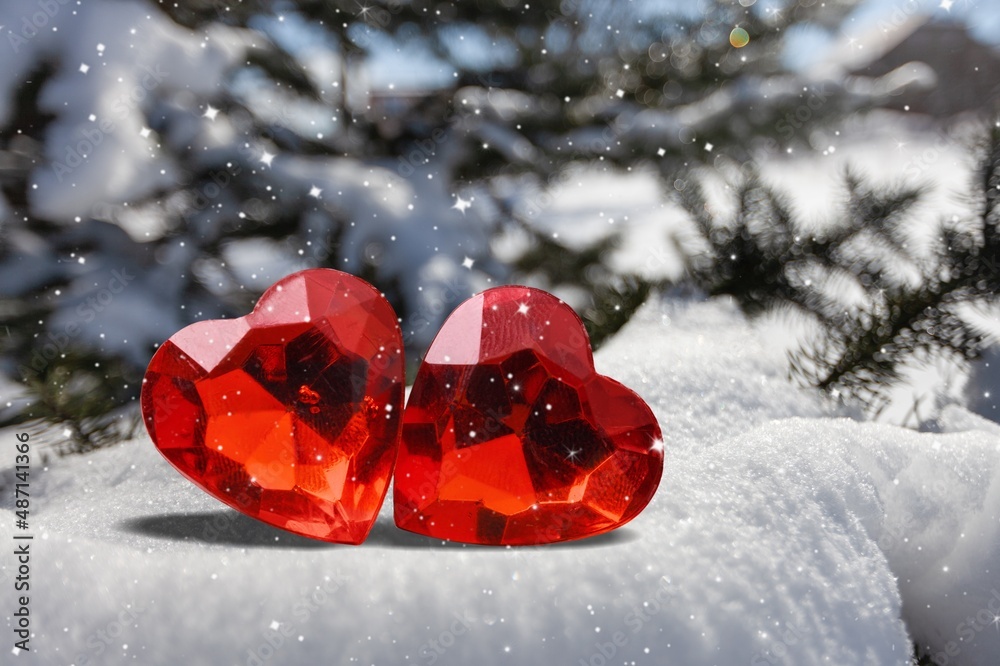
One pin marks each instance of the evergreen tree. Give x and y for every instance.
(234, 157)
(879, 301)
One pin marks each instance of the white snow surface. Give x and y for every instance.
(781, 534)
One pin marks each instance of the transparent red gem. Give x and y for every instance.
(511, 437)
(290, 415)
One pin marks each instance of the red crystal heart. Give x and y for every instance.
(510, 436)
(290, 414)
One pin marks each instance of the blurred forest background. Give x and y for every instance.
(833, 166)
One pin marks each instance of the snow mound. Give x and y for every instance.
(780, 535)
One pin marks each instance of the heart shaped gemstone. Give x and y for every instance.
(511, 437)
(291, 414)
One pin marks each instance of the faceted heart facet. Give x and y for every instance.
(511, 437)
(290, 415)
